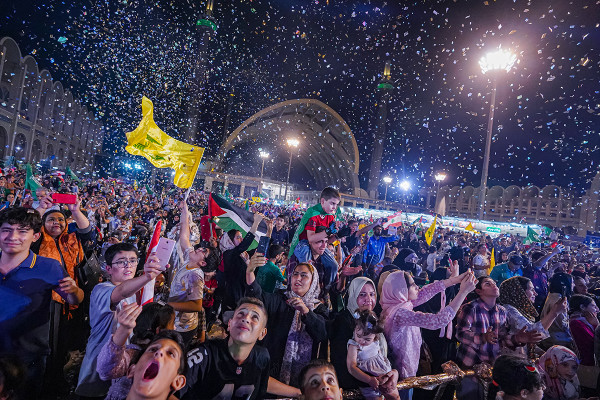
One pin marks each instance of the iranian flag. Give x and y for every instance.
(228, 216)
(146, 294)
(393, 220)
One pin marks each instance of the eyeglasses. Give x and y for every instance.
(125, 263)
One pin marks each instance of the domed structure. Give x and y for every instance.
(328, 150)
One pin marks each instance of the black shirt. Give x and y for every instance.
(214, 374)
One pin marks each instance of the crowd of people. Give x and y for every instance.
(334, 303)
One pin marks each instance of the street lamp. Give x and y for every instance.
(293, 143)
(264, 155)
(439, 177)
(492, 63)
(387, 181)
(405, 185)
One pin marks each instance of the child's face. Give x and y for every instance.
(362, 339)
(248, 324)
(156, 374)
(329, 206)
(320, 384)
(123, 266)
(15, 239)
(279, 223)
(567, 369)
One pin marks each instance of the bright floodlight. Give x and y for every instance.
(387, 180)
(264, 154)
(405, 185)
(440, 177)
(497, 60)
(293, 142)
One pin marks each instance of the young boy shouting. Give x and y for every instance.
(105, 300)
(160, 369)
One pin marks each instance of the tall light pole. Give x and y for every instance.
(293, 143)
(387, 181)
(264, 155)
(493, 63)
(405, 185)
(439, 177)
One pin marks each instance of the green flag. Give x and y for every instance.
(148, 190)
(532, 237)
(30, 182)
(72, 175)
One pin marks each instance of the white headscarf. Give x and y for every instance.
(355, 287)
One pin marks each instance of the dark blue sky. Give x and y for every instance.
(547, 120)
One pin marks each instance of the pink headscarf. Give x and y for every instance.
(394, 294)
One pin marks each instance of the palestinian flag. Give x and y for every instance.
(228, 216)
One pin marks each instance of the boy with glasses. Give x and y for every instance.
(105, 300)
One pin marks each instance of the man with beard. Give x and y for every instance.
(373, 255)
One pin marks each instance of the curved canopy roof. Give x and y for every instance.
(327, 148)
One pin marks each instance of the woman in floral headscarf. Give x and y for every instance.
(517, 295)
(296, 324)
(558, 367)
(399, 294)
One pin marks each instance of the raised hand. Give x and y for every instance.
(152, 267)
(467, 285)
(67, 285)
(298, 304)
(127, 315)
(257, 260)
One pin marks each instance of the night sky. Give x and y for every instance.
(547, 125)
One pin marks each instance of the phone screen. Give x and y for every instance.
(263, 245)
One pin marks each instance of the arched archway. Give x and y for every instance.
(328, 149)
(36, 151)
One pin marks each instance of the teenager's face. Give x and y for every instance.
(567, 369)
(198, 256)
(248, 324)
(530, 292)
(15, 239)
(318, 246)
(504, 257)
(301, 280)
(55, 224)
(237, 239)
(155, 375)
(413, 290)
(123, 266)
(488, 289)
(366, 298)
(362, 339)
(592, 308)
(279, 223)
(329, 206)
(320, 384)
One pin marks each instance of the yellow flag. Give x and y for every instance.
(470, 227)
(430, 232)
(492, 262)
(149, 141)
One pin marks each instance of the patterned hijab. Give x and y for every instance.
(298, 348)
(558, 387)
(513, 294)
(394, 294)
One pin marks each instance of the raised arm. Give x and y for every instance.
(184, 226)
(80, 219)
(128, 288)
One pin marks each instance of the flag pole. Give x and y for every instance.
(187, 192)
